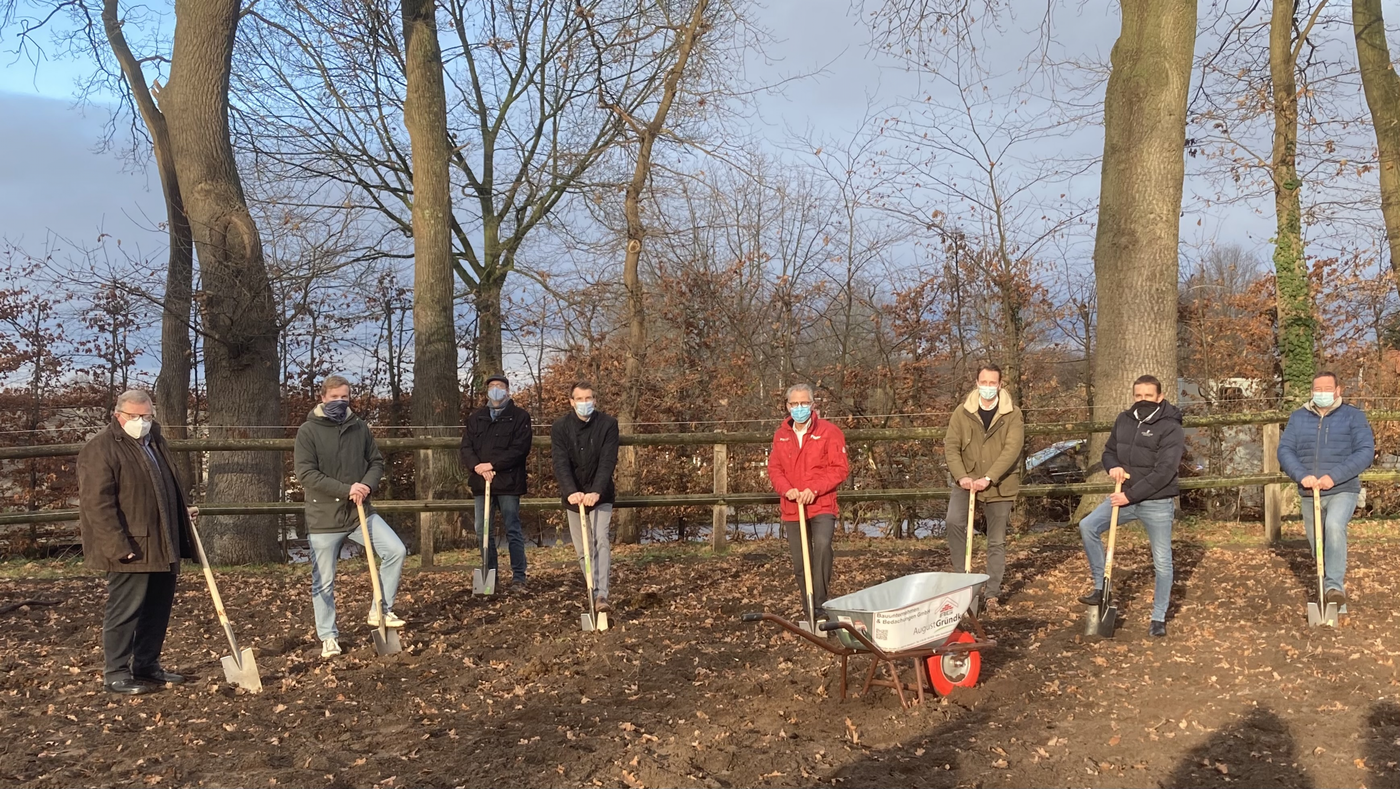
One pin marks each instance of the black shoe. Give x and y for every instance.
(1157, 629)
(130, 687)
(1093, 598)
(162, 677)
(1335, 596)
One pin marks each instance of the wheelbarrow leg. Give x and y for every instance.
(843, 676)
(898, 683)
(918, 678)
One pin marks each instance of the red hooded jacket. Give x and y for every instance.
(819, 464)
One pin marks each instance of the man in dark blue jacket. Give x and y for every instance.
(1324, 448)
(1144, 453)
(495, 444)
(583, 445)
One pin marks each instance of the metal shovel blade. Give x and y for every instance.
(483, 583)
(1318, 616)
(1105, 620)
(585, 620)
(386, 641)
(242, 671)
(602, 620)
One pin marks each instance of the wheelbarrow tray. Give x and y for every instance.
(917, 611)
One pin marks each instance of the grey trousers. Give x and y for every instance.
(598, 519)
(998, 515)
(819, 531)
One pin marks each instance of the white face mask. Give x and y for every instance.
(987, 393)
(137, 428)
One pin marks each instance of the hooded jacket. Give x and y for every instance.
(329, 458)
(121, 509)
(1339, 444)
(819, 463)
(503, 442)
(1149, 448)
(974, 451)
(585, 455)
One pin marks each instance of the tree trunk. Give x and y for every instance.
(490, 359)
(239, 313)
(436, 396)
(176, 357)
(1382, 88)
(628, 476)
(1135, 250)
(1294, 301)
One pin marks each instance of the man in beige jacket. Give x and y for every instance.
(983, 451)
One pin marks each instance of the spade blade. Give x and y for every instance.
(245, 675)
(586, 622)
(386, 641)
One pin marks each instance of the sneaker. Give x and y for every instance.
(1335, 596)
(390, 620)
(1093, 598)
(603, 606)
(330, 648)
(1157, 629)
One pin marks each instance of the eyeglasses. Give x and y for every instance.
(142, 417)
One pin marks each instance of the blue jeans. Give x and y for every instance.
(1336, 513)
(1156, 518)
(509, 507)
(325, 555)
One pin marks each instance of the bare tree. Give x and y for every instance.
(240, 319)
(1135, 251)
(1382, 89)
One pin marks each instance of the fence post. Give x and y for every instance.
(719, 527)
(1273, 494)
(424, 473)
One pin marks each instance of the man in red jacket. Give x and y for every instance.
(807, 464)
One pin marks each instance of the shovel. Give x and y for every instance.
(811, 624)
(592, 620)
(1103, 620)
(1321, 612)
(239, 668)
(483, 580)
(386, 639)
(967, 560)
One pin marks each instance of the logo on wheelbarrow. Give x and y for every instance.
(947, 609)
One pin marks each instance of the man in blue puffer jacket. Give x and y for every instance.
(1324, 448)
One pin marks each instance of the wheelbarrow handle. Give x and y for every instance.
(828, 626)
(751, 617)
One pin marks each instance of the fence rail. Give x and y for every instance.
(720, 500)
(853, 435)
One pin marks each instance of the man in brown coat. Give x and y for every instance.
(983, 451)
(136, 529)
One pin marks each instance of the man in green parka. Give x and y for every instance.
(983, 451)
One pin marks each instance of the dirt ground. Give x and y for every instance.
(509, 692)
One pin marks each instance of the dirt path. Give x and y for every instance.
(679, 693)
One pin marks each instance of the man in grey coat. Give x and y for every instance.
(339, 466)
(136, 528)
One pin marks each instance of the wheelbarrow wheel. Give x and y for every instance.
(955, 670)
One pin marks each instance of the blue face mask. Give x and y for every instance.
(987, 393)
(497, 394)
(800, 413)
(584, 409)
(1324, 399)
(336, 410)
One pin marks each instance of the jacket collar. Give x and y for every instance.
(1311, 406)
(974, 402)
(813, 425)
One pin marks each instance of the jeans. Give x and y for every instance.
(509, 507)
(598, 519)
(998, 515)
(820, 529)
(134, 625)
(1336, 513)
(325, 555)
(1156, 517)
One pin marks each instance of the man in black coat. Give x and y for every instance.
(495, 445)
(136, 529)
(584, 447)
(1144, 453)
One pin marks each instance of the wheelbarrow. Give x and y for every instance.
(924, 618)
